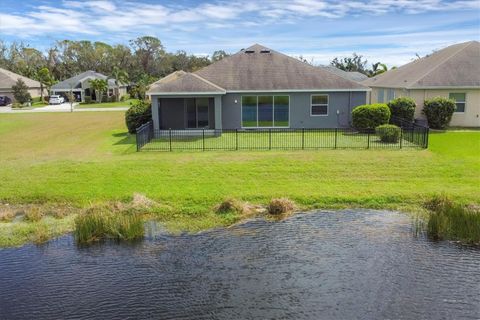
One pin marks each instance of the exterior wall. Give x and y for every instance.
(300, 105)
(469, 118)
(34, 92)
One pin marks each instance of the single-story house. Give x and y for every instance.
(255, 88)
(453, 72)
(80, 86)
(8, 79)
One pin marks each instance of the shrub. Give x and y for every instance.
(279, 206)
(17, 105)
(33, 214)
(139, 113)
(112, 98)
(20, 92)
(370, 116)
(402, 108)
(88, 99)
(125, 97)
(439, 112)
(388, 133)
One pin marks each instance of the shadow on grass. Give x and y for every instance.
(124, 138)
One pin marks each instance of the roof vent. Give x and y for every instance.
(249, 51)
(264, 51)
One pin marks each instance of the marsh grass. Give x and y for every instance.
(33, 214)
(6, 215)
(280, 206)
(452, 221)
(102, 223)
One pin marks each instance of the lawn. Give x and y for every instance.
(81, 159)
(125, 103)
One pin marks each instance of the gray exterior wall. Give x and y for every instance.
(300, 105)
(172, 111)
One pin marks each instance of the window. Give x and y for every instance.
(390, 95)
(381, 94)
(319, 105)
(197, 112)
(460, 101)
(265, 111)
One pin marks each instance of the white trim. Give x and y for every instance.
(425, 88)
(298, 90)
(311, 105)
(184, 93)
(273, 111)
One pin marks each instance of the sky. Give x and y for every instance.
(389, 31)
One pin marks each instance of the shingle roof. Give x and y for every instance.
(350, 75)
(9, 78)
(260, 68)
(453, 66)
(74, 82)
(181, 81)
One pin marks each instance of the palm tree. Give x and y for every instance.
(120, 76)
(100, 86)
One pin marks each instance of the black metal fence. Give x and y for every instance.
(410, 135)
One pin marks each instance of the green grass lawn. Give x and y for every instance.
(125, 103)
(81, 159)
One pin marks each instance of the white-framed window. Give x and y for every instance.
(319, 105)
(265, 111)
(460, 99)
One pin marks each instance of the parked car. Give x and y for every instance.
(56, 99)
(5, 101)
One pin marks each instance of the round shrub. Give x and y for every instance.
(439, 112)
(370, 116)
(139, 113)
(402, 108)
(388, 133)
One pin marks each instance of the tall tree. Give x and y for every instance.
(353, 63)
(219, 55)
(148, 50)
(45, 78)
(100, 86)
(121, 77)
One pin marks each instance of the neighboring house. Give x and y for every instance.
(350, 75)
(80, 86)
(8, 79)
(453, 72)
(255, 88)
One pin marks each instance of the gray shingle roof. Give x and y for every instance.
(256, 68)
(9, 78)
(181, 81)
(350, 75)
(454, 66)
(75, 82)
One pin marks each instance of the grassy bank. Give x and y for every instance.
(84, 159)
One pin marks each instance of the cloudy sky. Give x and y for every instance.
(381, 30)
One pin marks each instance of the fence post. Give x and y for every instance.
(336, 132)
(401, 138)
(368, 140)
(203, 139)
(269, 139)
(303, 138)
(170, 137)
(425, 134)
(236, 139)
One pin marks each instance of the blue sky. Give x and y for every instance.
(391, 31)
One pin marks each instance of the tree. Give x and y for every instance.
(45, 79)
(219, 55)
(120, 76)
(20, 92)
(71, 99)
(353, 63)
(148, 51)
(141, 87)
(100, 86)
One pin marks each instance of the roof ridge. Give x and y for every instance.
(206, 81)
(465, 45)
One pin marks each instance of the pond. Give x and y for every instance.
(325, 265)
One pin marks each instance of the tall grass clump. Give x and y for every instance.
(101, 224)
(452, 221)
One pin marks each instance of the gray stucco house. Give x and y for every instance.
(255, 88)
(80, 86)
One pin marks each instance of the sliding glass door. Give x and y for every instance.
(265, 111)
(197, 113)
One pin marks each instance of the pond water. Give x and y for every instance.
(324, 265)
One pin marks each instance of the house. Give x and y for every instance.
(8, 79)
(80, 86)
(453, 72)
(255, 88)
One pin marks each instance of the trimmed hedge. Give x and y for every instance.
(139, 113)
(388, 133)
(370, 116)
(439, 112)
(402, 108)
